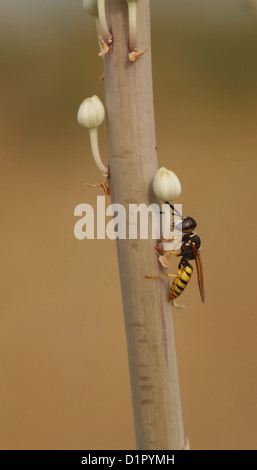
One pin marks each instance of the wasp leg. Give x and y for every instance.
(168, 239)
(161, 275)
(168, 251)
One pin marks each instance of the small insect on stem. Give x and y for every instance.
(189, 250)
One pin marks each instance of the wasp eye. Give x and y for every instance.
(188, 224)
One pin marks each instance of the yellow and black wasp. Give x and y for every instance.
(189, 250)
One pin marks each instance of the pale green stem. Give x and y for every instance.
(132, 13)
(93, 132)
(147, 311)
(102, 20)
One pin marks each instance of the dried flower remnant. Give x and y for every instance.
(105, 186)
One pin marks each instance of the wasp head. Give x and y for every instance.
(185, 224)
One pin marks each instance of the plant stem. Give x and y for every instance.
(132, 16)
(93, 132)
(133, 162)
(102, 21)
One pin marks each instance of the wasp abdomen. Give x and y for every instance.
(181, 281)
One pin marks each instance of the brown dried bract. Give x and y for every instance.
(164, 260)
(134, 55)
(105, 48)
(105, 186)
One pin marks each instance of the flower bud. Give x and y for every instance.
(166, 185)
(91, 112)
(91, 7)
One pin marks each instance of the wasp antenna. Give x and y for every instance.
(169, 204)
(172, 207)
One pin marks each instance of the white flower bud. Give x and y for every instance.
(91, 7)
(166, 185)
(91, 112)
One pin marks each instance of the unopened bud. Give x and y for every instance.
(91, 112)
(166, 185)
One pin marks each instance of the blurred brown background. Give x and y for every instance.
(64, 371)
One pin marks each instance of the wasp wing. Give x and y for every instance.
(199, 268)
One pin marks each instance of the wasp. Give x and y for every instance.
(189, 250)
